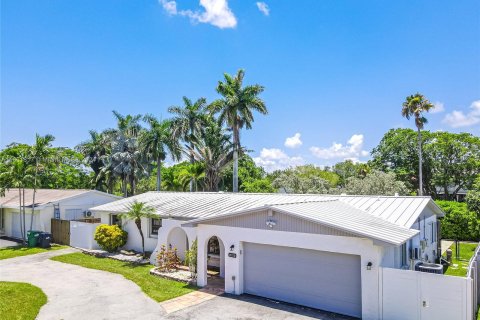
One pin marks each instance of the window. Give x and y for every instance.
(155, 225)
(115, 219)
(213, 246)
(433, 232)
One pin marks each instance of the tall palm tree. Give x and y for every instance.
(187, 124)
(157, 141)
(236, 108)
(94, 149)
(136, 211)
(414, 106)
(42, 156)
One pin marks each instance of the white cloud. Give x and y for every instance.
(457, 119)
(216, 12)
(438, 107)
(263, 7)
(293, 142)
(275, 159)
(352, 150)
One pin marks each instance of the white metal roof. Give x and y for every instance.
(402, 211)
(339, 215)
(44, 196)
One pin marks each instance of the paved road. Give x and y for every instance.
(80, 293)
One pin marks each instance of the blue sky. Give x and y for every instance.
(336, 72)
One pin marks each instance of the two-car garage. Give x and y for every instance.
(318, 279)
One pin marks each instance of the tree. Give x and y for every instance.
(136, 211)
(94, 150)
(15, 173)
(348, 169)
(414, 106)
(375, 183)
(193, 173)
(214, 151)
(41, 156)
(187, 124)
(304, 179)
(157, 141)
(248, 173)
(473, 198)
(235, 109)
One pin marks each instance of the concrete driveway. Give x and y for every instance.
(8, 243)
(79, 293)
(246, 307)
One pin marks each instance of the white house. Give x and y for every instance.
(49, 203)
(321, 251)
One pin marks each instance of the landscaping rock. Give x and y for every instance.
(136, 258)
(177, 275)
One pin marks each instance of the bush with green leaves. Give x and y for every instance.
(110, 238)
(459, 223)
(473, 198)
(191, 258)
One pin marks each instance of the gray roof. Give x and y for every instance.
(339, 215)
(402, 211)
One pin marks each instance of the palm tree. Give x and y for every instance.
(15, 173)
(128, 125)
(194, 172)
(414, 106)
(157, 141)
(236, 108)
(187, 123)
(136, 211)
(94, 149)
(41, 156)
(215, 153)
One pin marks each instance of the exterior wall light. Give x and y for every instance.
(369, 265)
(232, 247)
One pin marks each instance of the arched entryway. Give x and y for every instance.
(177, 238)
(215, 261)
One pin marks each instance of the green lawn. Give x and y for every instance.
(18, 251)
(466, 252)
(20, 301)
(156, 288)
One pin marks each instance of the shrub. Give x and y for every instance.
(473, 198)
(110, 238)
(167, 259)
(459, 223)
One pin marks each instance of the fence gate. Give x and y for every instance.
(61, 231)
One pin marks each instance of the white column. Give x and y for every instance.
(201, 262)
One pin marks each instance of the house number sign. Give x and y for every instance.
(232, 255)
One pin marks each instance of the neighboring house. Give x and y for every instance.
(321, 251)
(460, 194)
(49, 203)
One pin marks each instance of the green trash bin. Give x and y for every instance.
(32, 238)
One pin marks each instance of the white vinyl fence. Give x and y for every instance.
(81, 235)
(423, 296)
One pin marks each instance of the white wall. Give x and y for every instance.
(82, 235)
(405, 291)
(365, 248)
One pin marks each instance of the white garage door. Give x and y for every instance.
(318, 279)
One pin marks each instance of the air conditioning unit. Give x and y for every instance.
(88, 214)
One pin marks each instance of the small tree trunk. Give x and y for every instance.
(159, 174)
(420, 164)
(33, 200)
(20, 211)
(138, 222)
(192, 161)
(235, 158)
